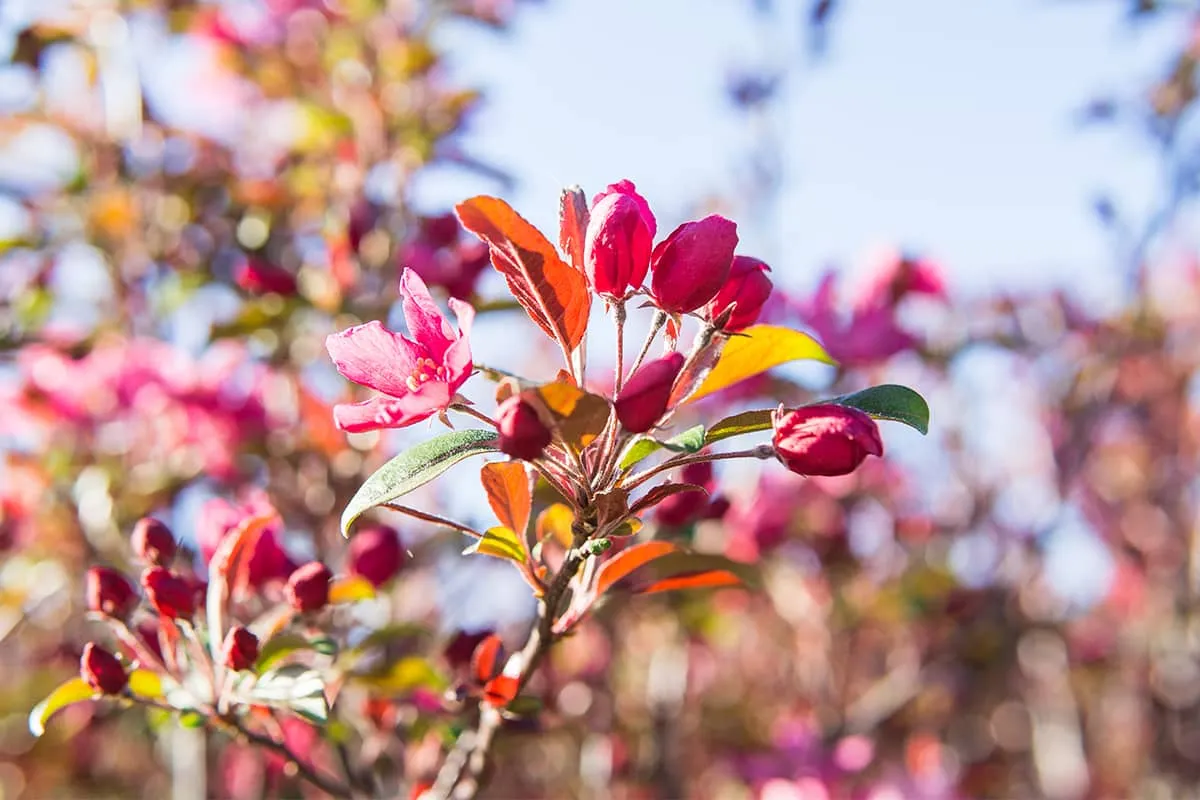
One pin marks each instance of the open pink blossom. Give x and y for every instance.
(417, 377)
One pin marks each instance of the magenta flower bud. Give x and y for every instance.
(171, 595)
(619, 239)
(153, 542)
(308, 588)
(109, 592)
(240, 649)
(376, 554)
(522, 433)
(101, 670)
(825, 439)
(258, 276)
(749, 287)
(643, 398)
(692, 264)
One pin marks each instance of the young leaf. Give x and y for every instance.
(499, 542)
(580, 416)
(145, 684)
(407, 674)
(554, 294)
(756, 350)
(695, 580)
(414, 468)
(572, 224)
(72, 691)
(890, 402)
(294, 687)
(689, 441)
(556, 521)
(627, 561)
(662, 492)
(488, 659)
(351, 589)
(501, 690)
(229, 573)
(278, 647)
(508, 493)
(738, 424)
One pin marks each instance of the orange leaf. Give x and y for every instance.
(488, 659)
(627, 561)
(554, 294)
(508, 492)
(572, 224)
(501, 691)
(556, 521)
(698, 580)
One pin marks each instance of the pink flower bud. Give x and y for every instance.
(240, 649)
(692, 264)
(101, 670)
(259, 276)
(308, 588)
(109, 592)
(643, 398)
(620, 236)
(749, 287)
(171, 595)
(522, 432)
(153, 542)
(376, 554)
(825, 439)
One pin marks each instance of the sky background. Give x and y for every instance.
(942, 125)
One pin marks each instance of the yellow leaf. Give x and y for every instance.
(411, 672)
(73, 691)
(499, 542)
(145, 684)
(756, 350)
(556, 521)
(351, 590)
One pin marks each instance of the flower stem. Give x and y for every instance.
(760, 452)
(462, 408)
(660, 319)
(619, 322)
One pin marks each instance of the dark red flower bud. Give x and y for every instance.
(153, 542)
(308, 588)
(376, 554)
(692, 264)
(171, 595)
(749, 287)
(619, 239)
(101, 670)
(240, 649)
(826, 439)
(522, 432)
(643, 398)
(259, 276)
(110, 592)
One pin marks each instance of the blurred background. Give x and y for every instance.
(994, 203)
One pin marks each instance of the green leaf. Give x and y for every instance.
(738, 424)
(73, 691)
(689, 441)
(499, 542)
(294, 687)
(414, 468)
(279, 646)
(890, 402)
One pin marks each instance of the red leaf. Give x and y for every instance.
(501, 691)
(697, 580)
(509, 494)
(627, 561)
(554, 294)
(487, 660)
(572, 224)
(662, 492)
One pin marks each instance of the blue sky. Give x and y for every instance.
(938, 124)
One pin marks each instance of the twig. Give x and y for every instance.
(434, 518)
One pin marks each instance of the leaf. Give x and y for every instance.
(627, 561)
(294, 687)
(697, 580)
(756, 350)
(69, 693)
(579, 415)
(689, 441)
(414, 468)
(488, 659)
(146, 684)
(279, 646)
(501, 690)
(891, 402)
(499, 542)
(556, 521)
(351, 589)
(508, 493)
(572, 224)
(662, 492)
(738, 424)
(554, 294)
(407, 674)
(229, 572)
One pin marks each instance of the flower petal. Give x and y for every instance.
(426, 325)
(373, 356)
(383, 412)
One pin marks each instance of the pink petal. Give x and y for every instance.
(373, 356)
(381, 412)
(425, 322)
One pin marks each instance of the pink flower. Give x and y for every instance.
(417, 378)
(869, 336)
